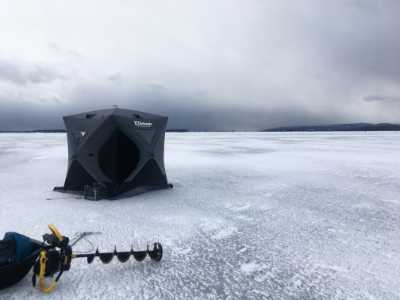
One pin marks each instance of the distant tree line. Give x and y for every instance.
(340, 127)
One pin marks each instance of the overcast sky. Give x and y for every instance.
(207, 64)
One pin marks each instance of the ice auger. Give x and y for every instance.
(52, 257)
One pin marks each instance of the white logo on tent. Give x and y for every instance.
(143, 124)
(83, 133)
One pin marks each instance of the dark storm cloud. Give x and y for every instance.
(184, 111)
(23, 74)
(25, 115)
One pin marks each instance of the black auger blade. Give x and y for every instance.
(106, 257)
(122, 256)
(139, 255)
(156, 253)
(90, 258)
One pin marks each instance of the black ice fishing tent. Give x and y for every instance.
(115, 153)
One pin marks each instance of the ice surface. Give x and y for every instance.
(251, 216)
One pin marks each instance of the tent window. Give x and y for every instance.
(118, 157)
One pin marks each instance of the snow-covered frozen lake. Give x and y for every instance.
(251, 216)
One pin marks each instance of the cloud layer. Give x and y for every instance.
(22, 75)
(214, 65)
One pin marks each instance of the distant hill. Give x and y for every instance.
(339, 127)
(177, 130)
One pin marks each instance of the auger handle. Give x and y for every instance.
(55, 232)
(42, 272)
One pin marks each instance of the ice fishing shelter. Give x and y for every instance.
(115, 153)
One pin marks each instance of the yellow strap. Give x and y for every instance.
(55, 231)
(42, 272)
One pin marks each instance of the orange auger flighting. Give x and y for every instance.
(52, 257)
